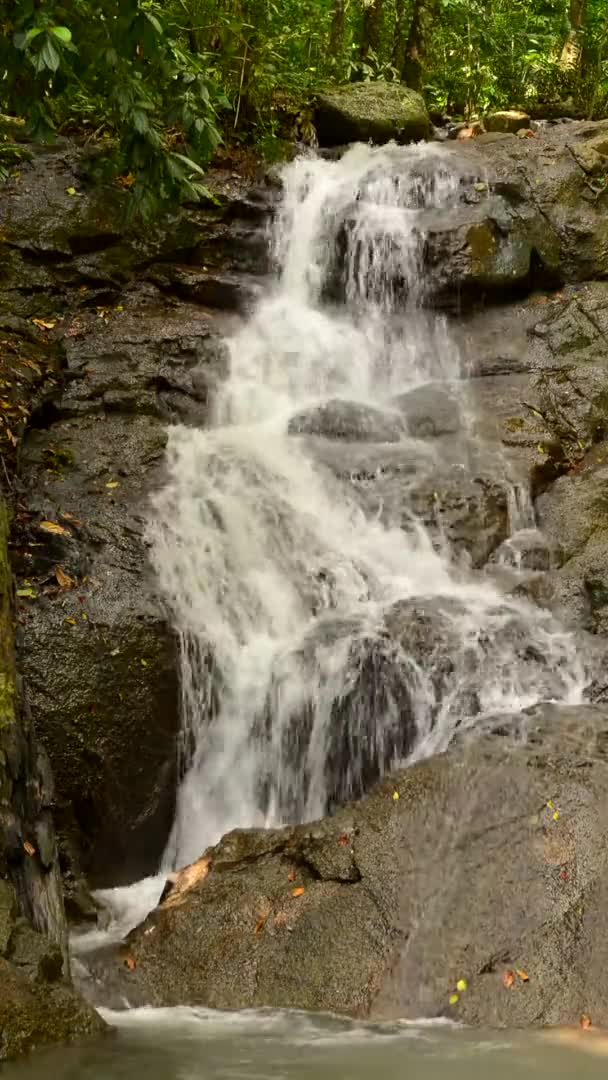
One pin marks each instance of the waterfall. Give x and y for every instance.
(325, 639)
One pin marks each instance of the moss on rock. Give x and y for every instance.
(377, 111)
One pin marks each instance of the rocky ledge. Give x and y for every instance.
(472, 885)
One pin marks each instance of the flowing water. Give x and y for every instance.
(279, 576)
(193, 1044)
(298, 577)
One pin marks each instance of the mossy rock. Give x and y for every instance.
(375, 111)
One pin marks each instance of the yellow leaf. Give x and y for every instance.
(45, 324)
(27, 592)
(71, 191)
(64, 579)
(550, 804)
(555, 815)
(113, 483)
(119, 307)
(54, 527)
(454, 999)
(297, 892)
(461, 985)
(523, 974)
(395, 796)
(29, 848)
(72, 622)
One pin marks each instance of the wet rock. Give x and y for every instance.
(529, 549)
(33, 1013)
(511, 121)
(575, 510)
(375, 111)
(429, 411)
(511, 823)
(348, 420)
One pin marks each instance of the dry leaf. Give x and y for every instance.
(113, 484)
(344, 840)
(523, 975)
(130, 962)
(280, 918)
(395, 795)
(45, 324)
(72, 622)
(508, 979)
(64, 579)
(297, 892)
(54, 527)
(462, 985)
(260, 924)
(585, 1022)
(454, 999)
(292, 875)
(31, 850)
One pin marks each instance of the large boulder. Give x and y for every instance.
(348, 420)
(483, 867)
(371, 111)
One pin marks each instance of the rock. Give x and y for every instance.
(370, 934)
(575, 510)
(464, 503)
(375, 111)
(430, 411)
(529, 549)
(510, 121)
(97, 655)
(33, 1014)
(348, 420)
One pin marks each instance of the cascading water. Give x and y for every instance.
(320, 642)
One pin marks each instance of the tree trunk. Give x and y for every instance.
(371, 28)
(572, 51)
(412, 71)
(336, 36)
(399, 43)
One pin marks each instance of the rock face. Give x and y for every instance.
(131, 348)
(376, 111)
(470, 865)
(37, 1005)
(510, 121)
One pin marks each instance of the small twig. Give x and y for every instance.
(238, 104)
(8, 482)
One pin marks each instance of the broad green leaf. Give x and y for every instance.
(62, 33)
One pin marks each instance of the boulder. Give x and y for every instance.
(483, 867)
(510, 121)
(348, 420)
(371, 111)
(575, 510)
(429, 411)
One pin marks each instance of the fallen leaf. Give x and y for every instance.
(71, 191)
(130, 963)
(564, 875)
(280, 918)
(454, 999)
(550, 804)
(64, 579)
(297, 892)
(260, 924)
(113, 484)
(72, 622)
(585, 1022)
(29, 848)
(291, 875)
(508, 979)
(461, 985)
(555, 815)
(344, 840)
(54, 527)
(29, 592)
(45, 324)
(523, 974)
(395, 795)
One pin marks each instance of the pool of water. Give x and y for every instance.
(188, 1044)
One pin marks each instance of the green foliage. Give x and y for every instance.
(159, 83)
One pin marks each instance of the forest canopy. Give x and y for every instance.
(165, 83)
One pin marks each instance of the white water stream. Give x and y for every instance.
(281, 583)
